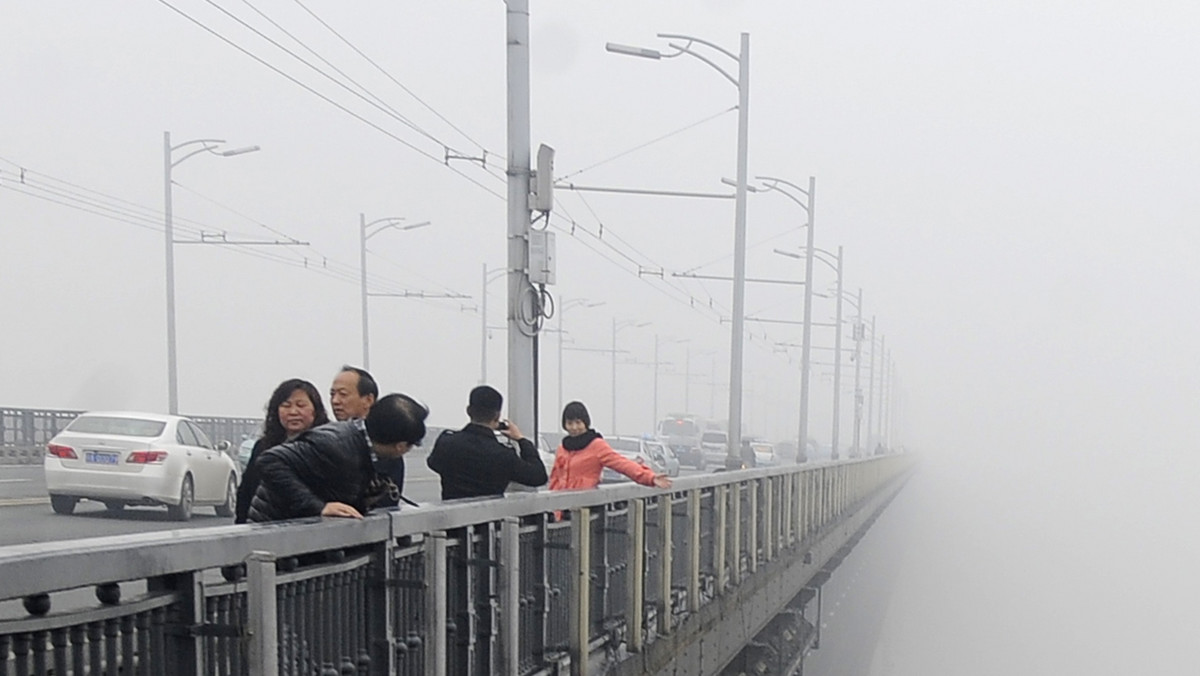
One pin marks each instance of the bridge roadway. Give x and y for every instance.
(634, 581)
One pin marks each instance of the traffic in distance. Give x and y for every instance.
(132, 459)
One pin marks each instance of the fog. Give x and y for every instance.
(1013, 184)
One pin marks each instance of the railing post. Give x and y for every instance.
(581, 581)
(735, 534)
(770, 532)
(720, 525)
(510, 596)
(635, 590)
(665, 555)
(185, 649)
(435, 603)
(752, 526)
(693, 582)
(381, 630)
(263, 615)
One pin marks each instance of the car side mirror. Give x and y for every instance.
(223, 446)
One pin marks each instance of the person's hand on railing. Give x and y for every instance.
(662, 481)
(340, 509)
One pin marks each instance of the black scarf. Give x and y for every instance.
(580, 442)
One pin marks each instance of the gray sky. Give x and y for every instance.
(1012, 182)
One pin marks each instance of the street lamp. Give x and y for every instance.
(367, 231)
(809, 206)
(858, 334)
(489, 276)
(657, 341)
(742, 82)
(206, 146)
(825, 257)
(617, 326)
(566, 305)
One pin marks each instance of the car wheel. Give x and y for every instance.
(114, 505)
(228, 507)
(187, 498)
(63, 504)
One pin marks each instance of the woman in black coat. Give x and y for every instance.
(294, 407)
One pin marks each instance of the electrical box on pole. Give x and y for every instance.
(541, 257)
(543, 180)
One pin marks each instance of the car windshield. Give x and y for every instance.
(677, 428)
(126, 427)
(713, 437)
(625, 445)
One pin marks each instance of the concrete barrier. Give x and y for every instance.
(21, 455)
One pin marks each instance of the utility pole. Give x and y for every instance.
(871, 387)
(654, 408)
(617, 327)
(837, 362)
(734, 460)
(168, 224)
(483, 326)
(882, 383)
(367, 231)
(858, 395)
(522, 401)
(806, 350)
(209, 146)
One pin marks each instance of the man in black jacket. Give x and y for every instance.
(327, 471)
(474, 463)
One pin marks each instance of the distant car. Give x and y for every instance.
(243, 453)
(642, 451)
(764, 454)
(715, 445)
(127, 458)
(670, 460)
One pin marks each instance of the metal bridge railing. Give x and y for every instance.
(24, 432)
(471, 587)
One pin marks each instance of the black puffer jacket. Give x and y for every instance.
(330, 463)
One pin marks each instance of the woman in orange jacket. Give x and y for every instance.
(584, 454)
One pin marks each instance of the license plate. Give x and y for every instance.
(101, 458)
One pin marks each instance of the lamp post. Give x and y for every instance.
(809, 206)
(206, 146)
(617, 326)
(742, 83)
(489, 276)
(566, 305)
(835, 263)
(857, 335)
(367, 231)
(656, 365)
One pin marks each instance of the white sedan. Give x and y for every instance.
(139, 459)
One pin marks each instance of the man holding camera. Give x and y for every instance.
(473, 463)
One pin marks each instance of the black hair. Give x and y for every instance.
(395, 418)
(484, 404)
(366, 384)
(576, 411)
(273, 431)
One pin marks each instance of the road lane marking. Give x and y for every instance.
(15, 481)
(23, 502)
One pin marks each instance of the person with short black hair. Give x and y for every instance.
(584, 454)
(353, 393)
(351, 396)
(474, 463)
(328, 470)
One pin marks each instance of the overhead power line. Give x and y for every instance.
(331, 101)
